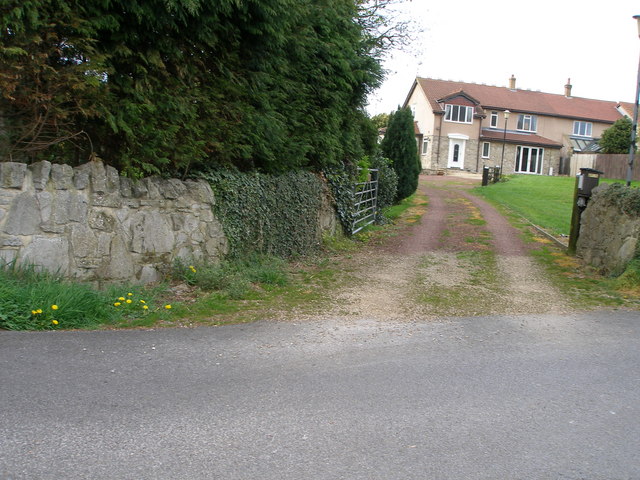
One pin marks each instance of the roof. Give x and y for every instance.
(503, 98)
(518, 137)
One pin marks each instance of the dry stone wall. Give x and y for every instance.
(90, 223)
(608, 237)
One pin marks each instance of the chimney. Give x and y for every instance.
(567, 88)
(512, 82)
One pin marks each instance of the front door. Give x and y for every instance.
(456, 153)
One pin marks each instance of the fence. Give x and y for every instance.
(612, 165)
(366, 201)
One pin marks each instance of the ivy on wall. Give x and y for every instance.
(272, 214)
(626, 199)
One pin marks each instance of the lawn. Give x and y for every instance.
(544, 201)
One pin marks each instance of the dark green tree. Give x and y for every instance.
(173, 86)
(617, 138)
(399, 145)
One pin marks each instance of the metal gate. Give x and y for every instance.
(365, 201)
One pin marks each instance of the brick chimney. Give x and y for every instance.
(512, 82)
(567, 88)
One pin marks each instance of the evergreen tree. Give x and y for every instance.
(399, 145)
(617, 138)
(166, 87)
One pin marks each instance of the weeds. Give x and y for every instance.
(35, 300)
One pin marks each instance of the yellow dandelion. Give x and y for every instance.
(39, 311)
(55, 322)
(168, 307)
(117, 304)
(121, 299)
(34, 312)
(145, 307)
(129, 294)
(54, 307)
(142, 301)
(128, 300)
(192, 268)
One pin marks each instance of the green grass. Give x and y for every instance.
(35, 300)
(544, 201)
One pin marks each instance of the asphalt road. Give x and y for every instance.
(535, 397)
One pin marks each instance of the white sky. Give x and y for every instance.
(541, 42)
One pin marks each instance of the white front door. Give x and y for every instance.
(456, 153)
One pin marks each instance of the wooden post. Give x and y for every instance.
(576, 213)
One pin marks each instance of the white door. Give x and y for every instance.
(456, 153)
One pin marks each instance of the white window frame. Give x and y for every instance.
(493, 122)
(525, 155)
(425, 145)
(453, 113)
(486, 149)
(582, 129)
(527, 123)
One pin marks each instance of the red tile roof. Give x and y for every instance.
(518, 137)
(502, 98)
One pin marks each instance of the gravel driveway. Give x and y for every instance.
(462, 258)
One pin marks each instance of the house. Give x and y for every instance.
(467, 126)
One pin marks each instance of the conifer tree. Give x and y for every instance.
(399, 145)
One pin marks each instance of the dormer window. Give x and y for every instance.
(527, 123)
(458, 113)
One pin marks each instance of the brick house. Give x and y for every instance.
(466, 126)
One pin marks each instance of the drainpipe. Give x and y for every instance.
(479, 147)
(439, 137)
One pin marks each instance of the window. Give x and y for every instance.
(486, 149)
(529, 160)
(494, 120)
(582, 129)
(527, 123)
(425, 145)
(458, 113)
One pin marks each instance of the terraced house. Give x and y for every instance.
(467, 126)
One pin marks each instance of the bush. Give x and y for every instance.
(387, 182)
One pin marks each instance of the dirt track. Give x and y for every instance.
(462, 258)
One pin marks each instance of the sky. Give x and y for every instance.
(542, 43)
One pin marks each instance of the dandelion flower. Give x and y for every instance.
(145, 307)
(168, 307)
(128, 300)
(192, 268)
(54, 307)
(34, 312)
(121, 299)
(117, 304)
(39, 311)
(142, 301)
(55, 322)
(129, 294)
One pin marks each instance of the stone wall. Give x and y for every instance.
(90, 223)
(608, 238)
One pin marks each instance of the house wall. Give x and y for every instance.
(424, 116)
(553, 128)
(551, 158)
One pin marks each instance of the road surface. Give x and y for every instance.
(503, 397)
